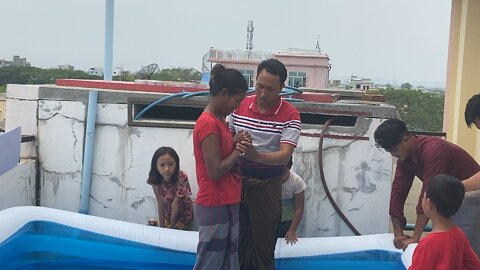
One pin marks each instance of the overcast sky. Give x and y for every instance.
(391, 41)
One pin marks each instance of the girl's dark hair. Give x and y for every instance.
(447, 193)
(154, 177)
(226, 78)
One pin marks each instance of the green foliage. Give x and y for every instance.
(177, 74)
(34, 75)
(3, 88)
(406, 86)
(421, 111)
(125, 76)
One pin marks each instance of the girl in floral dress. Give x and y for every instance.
(171, 189)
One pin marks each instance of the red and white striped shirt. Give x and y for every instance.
(270, 129)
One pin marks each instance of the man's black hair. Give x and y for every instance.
(390, 133)
(446, 193)
(472, 110)
(274, 67)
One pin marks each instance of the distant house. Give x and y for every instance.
(16, 62)
(361, 84)
(99, 71)
(306, 68)
(117, 71)
(66, 67)
(95, 71)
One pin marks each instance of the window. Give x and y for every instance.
(248, 75)
(297, 79)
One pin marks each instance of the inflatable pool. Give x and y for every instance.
(44, 238)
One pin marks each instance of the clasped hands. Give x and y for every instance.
(402, 241)
(244, 145)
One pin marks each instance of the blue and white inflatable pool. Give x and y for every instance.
(44, 238)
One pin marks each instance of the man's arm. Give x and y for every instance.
(299, 202)
(399, 236)
(472, 183)
(400, 188)
(420, 223)
(278, 158)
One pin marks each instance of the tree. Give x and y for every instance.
(406, 86)
(177, 74)
(35, 75)
(421, 111)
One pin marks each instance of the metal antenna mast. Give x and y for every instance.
(250, 36)
(317, 47)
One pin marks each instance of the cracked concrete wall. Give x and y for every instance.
(21, 110)
(358, 176)
(60, 147)
(18, 186)
(121, 160)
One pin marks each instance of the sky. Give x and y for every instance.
(389, 41)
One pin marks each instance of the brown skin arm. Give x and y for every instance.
(216, 167)
(242, 136)
(278, 158)
(175, 210)
(399, 236)
(161, 207)
(291, 235)
(420, 223)
(472, 183)
(401, 240)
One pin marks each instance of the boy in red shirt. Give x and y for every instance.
(446, 247)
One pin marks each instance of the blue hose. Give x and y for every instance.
(286, 91)
(163, 99)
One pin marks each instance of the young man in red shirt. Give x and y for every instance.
(425, 157)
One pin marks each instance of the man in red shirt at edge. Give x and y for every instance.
(425, 157)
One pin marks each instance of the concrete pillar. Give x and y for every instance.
(463, 73)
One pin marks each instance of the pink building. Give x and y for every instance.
(306, 68)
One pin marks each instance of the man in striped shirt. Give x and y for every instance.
(274, 126)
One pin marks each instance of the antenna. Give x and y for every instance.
(317, 47)
(250, 36)
(147, 71)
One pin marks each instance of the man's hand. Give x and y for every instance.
(398, 241)
(247, 149)
(291, 237)
(243, 136)
(407, 241)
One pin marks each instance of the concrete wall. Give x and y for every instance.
(18, 186)
(3, 105)
(358, 174)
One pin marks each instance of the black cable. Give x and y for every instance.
(324, 182)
